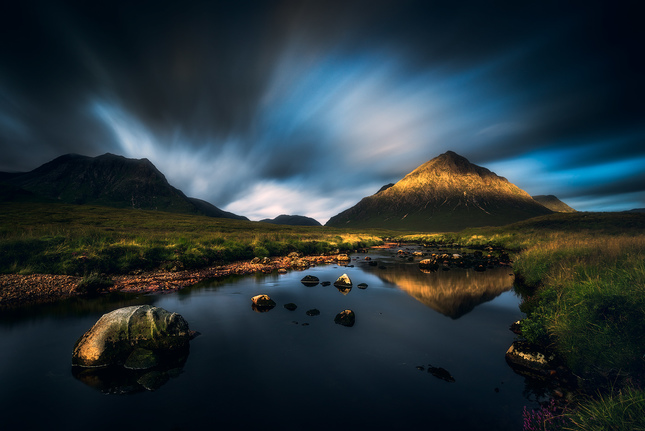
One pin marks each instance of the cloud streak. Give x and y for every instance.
(302, 107)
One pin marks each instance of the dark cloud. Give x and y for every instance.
(233, 99)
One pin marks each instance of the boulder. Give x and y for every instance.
(343, 281)
(345, 318)
(117, 334)
(343, 257)
(141, 359)
(530, 358)
(262, 303)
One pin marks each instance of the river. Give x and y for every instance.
(285, 369)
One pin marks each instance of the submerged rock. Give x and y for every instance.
(118, 333)
(313, 312)
(290, 306)
(345, 318)
(362, 286)
(441, 373)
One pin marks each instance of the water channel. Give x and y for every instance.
(285, 369)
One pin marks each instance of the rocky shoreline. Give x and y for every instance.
(19, 290)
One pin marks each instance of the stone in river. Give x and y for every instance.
(441, 373)
(309, 280)
(262, 303)
(345, 318)
(343, 281)
(290, 306)
(141, 359)
(116, 335)
(313, 312)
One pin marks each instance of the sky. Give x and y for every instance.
(304, 107)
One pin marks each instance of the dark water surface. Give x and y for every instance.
(284, 369)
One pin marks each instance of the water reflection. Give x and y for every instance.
(452, 293)
(122, 380)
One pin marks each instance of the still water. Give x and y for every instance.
(285, 369)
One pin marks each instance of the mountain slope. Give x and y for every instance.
(447, 193)
(108, 180)
(554, 204)
(293, 220)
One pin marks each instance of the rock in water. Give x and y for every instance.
(441, 373)
(345, 318)
(118, 333)
(309, 280)
(262, 303)
(343, 281)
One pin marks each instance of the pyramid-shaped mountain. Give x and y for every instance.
(108, 180)
(445, 194)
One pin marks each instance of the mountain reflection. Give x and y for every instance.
(452, 293)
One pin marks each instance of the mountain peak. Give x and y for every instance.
(446, 193)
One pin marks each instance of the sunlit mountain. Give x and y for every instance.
(447, 193)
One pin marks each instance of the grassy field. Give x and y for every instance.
(79, 240)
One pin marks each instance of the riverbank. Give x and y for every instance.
(19, 290)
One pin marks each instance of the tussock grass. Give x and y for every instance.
(622, 410)
(80, 239)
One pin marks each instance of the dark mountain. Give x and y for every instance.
(108, 180)
(554, 204)
(447, 193)
(293, 220)
(636, 210)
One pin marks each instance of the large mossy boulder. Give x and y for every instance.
(117, 334)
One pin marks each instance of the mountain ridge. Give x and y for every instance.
(109, 180)
(292, 220)
(553, 203)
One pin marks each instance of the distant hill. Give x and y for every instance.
(554, 204)
(447, 193)
(293, 220)
(636, 210)
(108, 180)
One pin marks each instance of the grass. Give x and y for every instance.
(80, 240)
(622, 410)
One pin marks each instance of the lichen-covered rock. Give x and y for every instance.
(345, 318)
(116, 334)
(141, 359)
(530, 357)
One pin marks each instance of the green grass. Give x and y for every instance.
(622, 410)
(80, 239)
